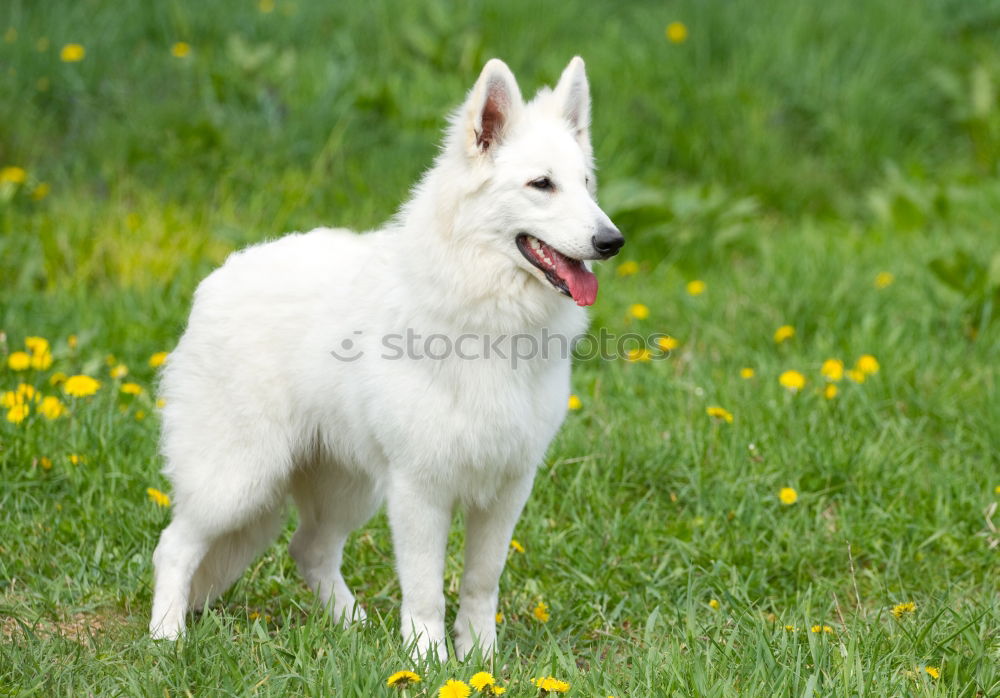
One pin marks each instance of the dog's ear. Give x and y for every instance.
(495, 102)
(572, 94)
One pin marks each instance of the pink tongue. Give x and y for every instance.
(581, 282)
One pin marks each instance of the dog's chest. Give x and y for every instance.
(482, 418)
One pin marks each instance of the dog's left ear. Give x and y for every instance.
(572, 94)
(493, 105)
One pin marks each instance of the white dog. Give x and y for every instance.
(293, 375)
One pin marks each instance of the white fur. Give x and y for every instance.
(257, 408)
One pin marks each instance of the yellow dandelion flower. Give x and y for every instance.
(46, 463)
(481, 680)
(638, 311)
(713, 604)
(52, 408)
(454, 689)
(131, 388)
(140, 415)
(161, 403)
(13, 174)
(18, 413)
(541, 612)
(867, 364)
(266, 6)
(676, 32)
(516, 545)
(696, 287)
(821, 629)
(788, 495)
(37, 345)
(119, 371)
(81, 386)
(933, 671)
(638, 355)
(41, 362)
(855, 376)
(402, 679)
(180, 50)
(41, 189)
(832, 369)
(157, 359)
(784, 333)
(667, 343)
(19, 361)
(499, 617)
(574, 402)
(72, 53)
(628, 268)
(720, 413)
(550, 684)
(747, 373)
(792, 380)
(57, 378)
(23, 394)
(71, 341)
(75, 458)
(996, 490)
(160, 499)
(830, 391)
(883, 279)
(791, 628)
(902, 609)
(497, 690)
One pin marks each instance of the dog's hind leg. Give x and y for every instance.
(177, 556)
(230, 554)
(228, 496)
(331, 503)
(197, 559)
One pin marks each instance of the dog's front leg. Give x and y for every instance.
(420, 519)
(487, 540)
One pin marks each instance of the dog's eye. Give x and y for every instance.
(543, 183)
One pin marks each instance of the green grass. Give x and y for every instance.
(786, 154)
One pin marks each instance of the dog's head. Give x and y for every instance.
(533, 173)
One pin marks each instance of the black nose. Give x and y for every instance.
(608, 241)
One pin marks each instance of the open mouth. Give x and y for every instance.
(567, 275)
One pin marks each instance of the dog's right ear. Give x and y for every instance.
(493, 105)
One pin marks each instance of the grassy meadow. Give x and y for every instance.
(798, 182)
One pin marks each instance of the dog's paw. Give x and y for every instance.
(168, 628)
(469, 635)
(350, 615)
(423, 650)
